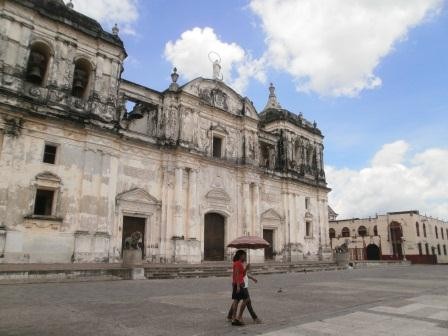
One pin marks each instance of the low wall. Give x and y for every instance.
(378, 263)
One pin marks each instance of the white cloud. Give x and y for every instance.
(391, 154)
(109, 12)
(395, 181)
(190, 53)
(332, 47)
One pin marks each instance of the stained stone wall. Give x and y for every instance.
(154, 161)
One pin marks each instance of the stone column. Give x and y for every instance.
(287, 237)
(292, 218)
(164, 215)
(299, 228)
(192, 220)
(178, 209)
(247, 211)
(256, 210)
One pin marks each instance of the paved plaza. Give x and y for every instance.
(383, 301)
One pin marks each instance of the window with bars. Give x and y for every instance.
(50, 154)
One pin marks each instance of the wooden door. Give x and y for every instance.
(268, 235)
(213, 237)
(132, 224)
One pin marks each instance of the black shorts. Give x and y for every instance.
(243, 294)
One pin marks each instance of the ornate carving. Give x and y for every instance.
(13, 126)
(220, 99)
(137, 195)
(204, 141)
(218, 198)
(134, 241)
(35, 91)
(171, 122)
(272, 158)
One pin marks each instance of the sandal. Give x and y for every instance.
(237, 323)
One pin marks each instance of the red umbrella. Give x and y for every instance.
(249, 242)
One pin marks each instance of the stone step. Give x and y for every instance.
(259, 271)
(101, 272)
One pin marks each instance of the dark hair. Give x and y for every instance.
(238, 255)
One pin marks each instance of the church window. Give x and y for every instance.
(362, 231)
(217, 147)
(332, 233)
(50, 153)
(308, 229)
(345, 232)
(43, 205)
(375, 230)
(307, 203)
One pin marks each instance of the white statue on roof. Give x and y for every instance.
(216, 61)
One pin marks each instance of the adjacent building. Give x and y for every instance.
(88, 157)
(403, 235)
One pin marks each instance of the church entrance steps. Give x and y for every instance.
(35, 273)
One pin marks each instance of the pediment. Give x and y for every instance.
(137, 195)
(219, 129)
(218, 94)
(48, 176)
(218, 195)
(270, 215)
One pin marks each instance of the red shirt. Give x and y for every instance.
(238, 268)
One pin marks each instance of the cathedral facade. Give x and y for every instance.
(87, 157)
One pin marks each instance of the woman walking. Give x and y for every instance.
(241, 256)
(239, 293)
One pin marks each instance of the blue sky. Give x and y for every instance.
(410, 105)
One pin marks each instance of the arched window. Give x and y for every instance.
(441, 233)
(36, 69)
(332, 233)
(345, 232)
(424, 230)
(81, 78)
(417, 228)
(362, 231)
(375, 230)
(437, 232)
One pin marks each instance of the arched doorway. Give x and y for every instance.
(372, 252)
(213, 237)
(396, 235)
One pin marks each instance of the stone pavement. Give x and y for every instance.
(383, 301)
